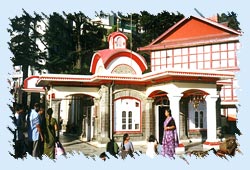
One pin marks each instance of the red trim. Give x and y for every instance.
(53, 96)
(128, 55)
(128, 97)
(158, 93)
(211, 143)
(181, 145)
(94, 61)
(145, 79)
(115, 34)
(196, 130)
(25, 83)
(108, 55)
(133, 81)
(232, 117)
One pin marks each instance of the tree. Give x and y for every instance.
(72, 40)
(87, 38)
(60, 42)
(230, 19)
(154, 25)
(23, 43)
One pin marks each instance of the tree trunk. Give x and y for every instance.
(25, 69)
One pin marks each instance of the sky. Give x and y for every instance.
(12, 8)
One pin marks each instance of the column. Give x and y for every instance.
(103, 132)
(96, 122)
(149, 118)
(212, 140)
(175, 110)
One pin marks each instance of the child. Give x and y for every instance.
(152, 147)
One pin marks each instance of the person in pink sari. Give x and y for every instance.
(170, 138)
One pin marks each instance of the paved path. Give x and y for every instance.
(73, 144)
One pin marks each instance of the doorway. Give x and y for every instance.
(161, 119)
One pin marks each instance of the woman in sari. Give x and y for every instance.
(170, 138)
(50, 135)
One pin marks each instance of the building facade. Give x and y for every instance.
(192, 72)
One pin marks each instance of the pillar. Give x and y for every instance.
(96, 121)
(175, 110)
(212, 141)
(103, 132)
(149, 118)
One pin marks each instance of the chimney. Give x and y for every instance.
(214, 18)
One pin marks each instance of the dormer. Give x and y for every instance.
(117, 40)
(117, 59)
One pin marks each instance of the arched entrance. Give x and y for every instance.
(193, 114)
(76, 113)
(161, 102)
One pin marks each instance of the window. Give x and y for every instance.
(201, 119)
(127, 114)
(119, 42)
(124, 120)
(198, 119)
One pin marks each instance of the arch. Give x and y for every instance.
(75, 110)
(194, 92)
(195, 96)
(129, 92)
(115, 34)
(193, 115)
(107, 56)
(136, 57)
(79, 94)
(123, 69)
(157, 93)
(61, 92)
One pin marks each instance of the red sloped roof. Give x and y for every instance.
(192, 30)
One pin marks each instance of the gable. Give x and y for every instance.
(195, 28)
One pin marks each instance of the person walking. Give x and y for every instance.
(34, 132)
(170, 137)
(127, 147)
(152, 147)
(50, 134)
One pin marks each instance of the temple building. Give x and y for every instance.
(193, 68)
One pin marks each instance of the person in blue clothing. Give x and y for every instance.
(35, 132)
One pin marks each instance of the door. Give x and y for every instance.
(89, 124)
(161, 119)
(197, 117)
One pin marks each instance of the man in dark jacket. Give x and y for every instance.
(112, 147)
